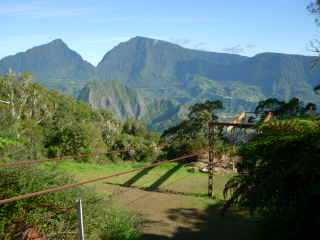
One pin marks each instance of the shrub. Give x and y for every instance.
(139, 148)
(279, 178)
(54, 214)
(75, 139)
(121, 225)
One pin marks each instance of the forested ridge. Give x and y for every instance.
(156, 80)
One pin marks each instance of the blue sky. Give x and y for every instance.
(92, 27)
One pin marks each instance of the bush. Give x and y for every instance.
(75, 139)
(139, 148)
(280, 178)
(54, 214)
(121, 225)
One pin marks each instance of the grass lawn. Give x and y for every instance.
(166, 177)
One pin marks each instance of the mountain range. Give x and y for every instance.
(155, 80)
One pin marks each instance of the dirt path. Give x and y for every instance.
(176, 216)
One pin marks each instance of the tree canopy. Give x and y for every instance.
(191, 134)
(282, 109)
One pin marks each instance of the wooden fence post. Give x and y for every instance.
(211, 158)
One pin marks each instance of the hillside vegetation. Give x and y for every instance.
(38, 123)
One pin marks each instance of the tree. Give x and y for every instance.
(134, 127)
(199, 116)
(314, 8)
(310, 109)
(14, 89)
(269, 105)
(283, 110)
(26, 101)
(191, 134)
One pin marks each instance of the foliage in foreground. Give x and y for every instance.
(279, 178)
(54, 214)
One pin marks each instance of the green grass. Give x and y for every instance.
(167, 177)
(179, 180)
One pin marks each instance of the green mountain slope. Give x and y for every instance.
(149, 63)
(53, 65)
(123, 101)
(156, 81)
(145, 62)
(127, 103)
(158, 108)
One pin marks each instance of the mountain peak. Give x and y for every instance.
(58, 42)
(53, 64)
(141, 38)
(149, 40)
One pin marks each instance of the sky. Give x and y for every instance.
(93, 27)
